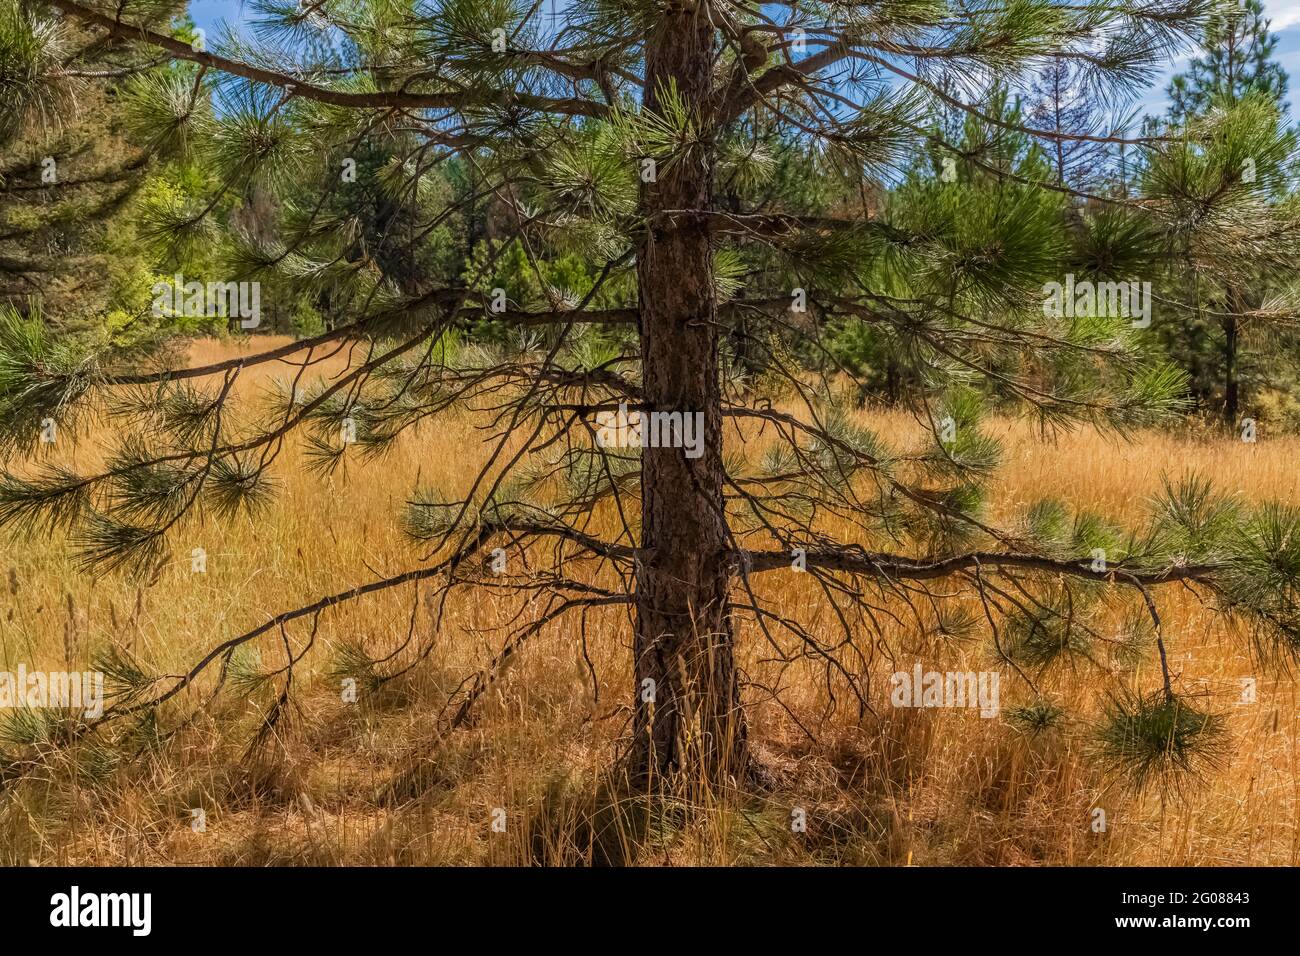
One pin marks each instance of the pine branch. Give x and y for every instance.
(296, 86)
(896, 567)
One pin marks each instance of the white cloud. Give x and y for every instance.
(1282, 13)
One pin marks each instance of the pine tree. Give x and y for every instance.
(65, 168)
(1058, 103)
(1236, 59)
(612, 131)
(1236, 64)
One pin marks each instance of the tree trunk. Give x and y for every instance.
(1231, 388)
(688, 726)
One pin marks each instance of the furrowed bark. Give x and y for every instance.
(688, 725)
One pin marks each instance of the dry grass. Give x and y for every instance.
(928, 787)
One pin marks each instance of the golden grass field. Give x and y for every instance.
(925, 787)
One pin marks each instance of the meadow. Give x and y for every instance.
(896, 787)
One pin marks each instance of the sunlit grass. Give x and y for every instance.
(921, 786)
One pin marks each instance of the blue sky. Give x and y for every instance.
(1285, 16)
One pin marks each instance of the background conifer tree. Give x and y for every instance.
(1227, 308)
(1236, 58)
(66, 167)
